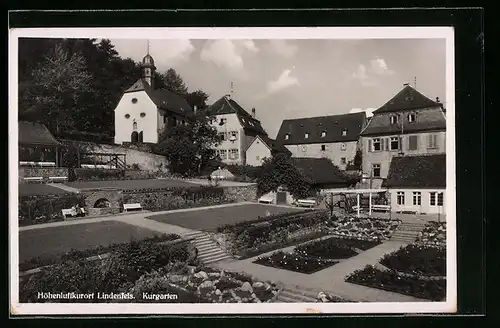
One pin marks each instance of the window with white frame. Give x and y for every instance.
(323, 134)
(436, 198)
(222, 136)
(306, 135)
(413, 142)
(377, 146)
(343, 146)
(394, 119)
(412, 117)
(233, 154)
(344, 132)
(394, 143)
(343, 161)
(304, 148)
(432, 141)
(400, 198)
(417, 198)
(287, 136)
(376, 170)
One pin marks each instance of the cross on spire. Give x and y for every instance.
(148, 47)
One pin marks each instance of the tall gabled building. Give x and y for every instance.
(408, 124)
(334, 137)
(144, 112)
(237, 127)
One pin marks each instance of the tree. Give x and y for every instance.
(54, 88)
(358, 159)
(189, 148)
(280, 171)
(197, 98)
(173, 82)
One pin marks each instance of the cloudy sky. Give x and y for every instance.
(300, 78)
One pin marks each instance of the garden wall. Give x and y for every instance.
(89, 174)
(44, 172)
(139, 155)
(241, 193)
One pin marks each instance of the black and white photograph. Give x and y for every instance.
(232, 170)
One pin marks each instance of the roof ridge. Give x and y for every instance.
(323, 116)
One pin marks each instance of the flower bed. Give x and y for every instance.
(334, 248)
(417, 260)
(434, 233)
(363, 228)
(46, 208)
(434, 290)
(75, 255)
(327, 298)
(294, 262)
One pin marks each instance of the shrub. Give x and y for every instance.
(99, 174)
(46, 208)
(417, 259)
(117, 273)
(294, 262)
(391, 281)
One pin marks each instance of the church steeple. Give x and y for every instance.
(148, 68)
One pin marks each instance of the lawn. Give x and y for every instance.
(35, 189)
(210, 219)
(57, 240)
(132, 184)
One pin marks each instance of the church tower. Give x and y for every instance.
(148, 68)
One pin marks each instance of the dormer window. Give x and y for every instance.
(394, 119)
(287, 136)
(306, 135)
(323, 134)
(344, 132)
(412, 117)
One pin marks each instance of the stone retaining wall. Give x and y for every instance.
(44, 172)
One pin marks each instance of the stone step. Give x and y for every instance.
(202, 241)
(216, 259)
(405, 233)
(208, 252)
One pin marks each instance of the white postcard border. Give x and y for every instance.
(346, 33)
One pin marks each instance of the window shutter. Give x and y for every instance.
(369, 145)
(429, 137)
(387, 144)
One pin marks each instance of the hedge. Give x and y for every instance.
(91, 174)
(46, 208)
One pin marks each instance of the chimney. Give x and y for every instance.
(253, 112)
(406, 84)
(437, 99)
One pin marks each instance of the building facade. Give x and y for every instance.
(417, 184)
(408, 124)
(334, 137)
(143, 112)
(237, 129)
(263, 147)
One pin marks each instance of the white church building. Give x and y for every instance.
(144, 111)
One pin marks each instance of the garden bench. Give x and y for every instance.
(382, 208)
(37, 179)
(266, 199)
(132, 207)
(46, 164)
(306, 202)
(58, 179)
(72, 212)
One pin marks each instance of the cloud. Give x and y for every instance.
(228, 53)
(379, 67)
(223, 54)
(249, 45)
(361, 75)
(166, 53)
(283, 48)
(284, 81)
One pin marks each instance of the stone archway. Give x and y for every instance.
(102, 203)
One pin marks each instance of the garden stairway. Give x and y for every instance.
(297, 294)
(208, 250)
(407, 231)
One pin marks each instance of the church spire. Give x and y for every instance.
(148, 67)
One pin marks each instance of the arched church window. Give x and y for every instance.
(141, 137)
(134, 126)
(134, 100)
(134, 137)
(127, 116)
